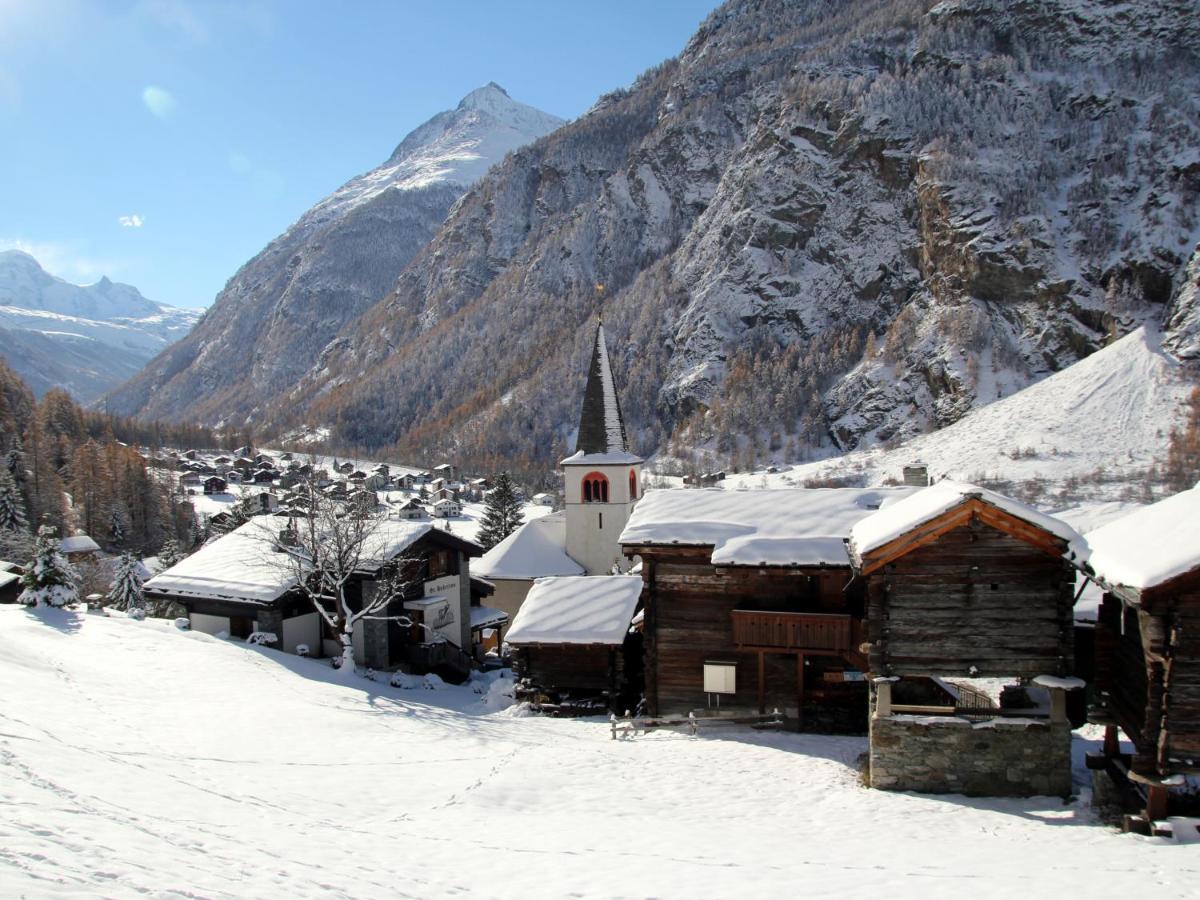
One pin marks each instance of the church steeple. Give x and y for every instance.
(601, 428)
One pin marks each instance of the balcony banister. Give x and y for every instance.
(809, 632)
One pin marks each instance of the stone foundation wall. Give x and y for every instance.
(940, 755)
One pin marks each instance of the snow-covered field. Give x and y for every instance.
(135, 760)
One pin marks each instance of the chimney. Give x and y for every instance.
(916, 474)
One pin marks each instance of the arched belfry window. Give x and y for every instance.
(632, 484)
(595, 488)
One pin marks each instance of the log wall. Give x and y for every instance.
(973, 601)
(688, 621)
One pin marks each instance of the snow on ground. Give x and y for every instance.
(135, 759)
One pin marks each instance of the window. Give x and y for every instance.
(632, 484)
(595, 488)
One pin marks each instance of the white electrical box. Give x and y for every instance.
(720, 677)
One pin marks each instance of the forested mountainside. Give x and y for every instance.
(267, 327)
(86, 339)
(825, 222)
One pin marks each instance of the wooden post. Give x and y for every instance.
(1058, 705)
(1112, 744)
(762, 685)
(799, 691)
(1156, 802)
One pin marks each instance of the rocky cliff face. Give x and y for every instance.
(269, 325)
(824, 222)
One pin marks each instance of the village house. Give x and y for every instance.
(969, 639)
(214, 484)
(411, 509)
(1147, 651)
(573, 644)
(10, 581)
(243, 583)
(79, 548)
(447, 508)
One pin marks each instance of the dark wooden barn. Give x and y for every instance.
(750, 603)
(965, 587)
(573, 648)
(1147, 643)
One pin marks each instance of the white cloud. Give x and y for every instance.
(133, 221)
(64, 260)
(159, 101)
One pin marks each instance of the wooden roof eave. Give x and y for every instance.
(956, 517)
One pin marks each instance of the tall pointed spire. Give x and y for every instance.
(601, 428)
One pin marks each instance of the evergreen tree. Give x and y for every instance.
(49, 579)
(15, 540)
(169, 555)
(14, 460)
(126, 590)
(116, 525)
(502, 513)
(12, 505)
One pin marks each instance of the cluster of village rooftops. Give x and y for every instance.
(937, 617)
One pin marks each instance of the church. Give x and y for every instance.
(601, 483)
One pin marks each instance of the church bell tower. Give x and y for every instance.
(602, 478)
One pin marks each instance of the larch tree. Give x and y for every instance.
(49, 579)
(502, 513)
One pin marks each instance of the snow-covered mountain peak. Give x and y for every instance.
(490, 97)
(454, 147)
(24, 283)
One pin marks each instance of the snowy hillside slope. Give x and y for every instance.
(86, 339)
(223, 770)
(824, 224)
(1091, 431)
(280, 310)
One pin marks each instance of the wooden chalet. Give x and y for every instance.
(10, 582)
(215, 484)
(242, 583)
(963, 584)
(750, 602)
(960, 579)
(1147, 652)
(573, 647)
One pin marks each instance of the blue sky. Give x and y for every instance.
(163, 143)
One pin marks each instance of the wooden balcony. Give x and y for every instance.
(820, 633)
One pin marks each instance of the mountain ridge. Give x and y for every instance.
(280, 309)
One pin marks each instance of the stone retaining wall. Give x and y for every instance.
(948, 754)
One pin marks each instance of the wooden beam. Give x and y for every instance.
(762, 683)
(800, 692)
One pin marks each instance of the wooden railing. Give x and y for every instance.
(828, 632)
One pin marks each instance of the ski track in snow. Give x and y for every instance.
(137, 760)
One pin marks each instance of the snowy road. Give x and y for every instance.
(138, 760)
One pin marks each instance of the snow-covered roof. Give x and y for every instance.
(78, 543)
(928, 503)
(487, 616)
(613, 458)
(792, 526)
(7, 578)
(241, 565)
(1150, 546)
(245, 564)
(577, 609)
(535, 549)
